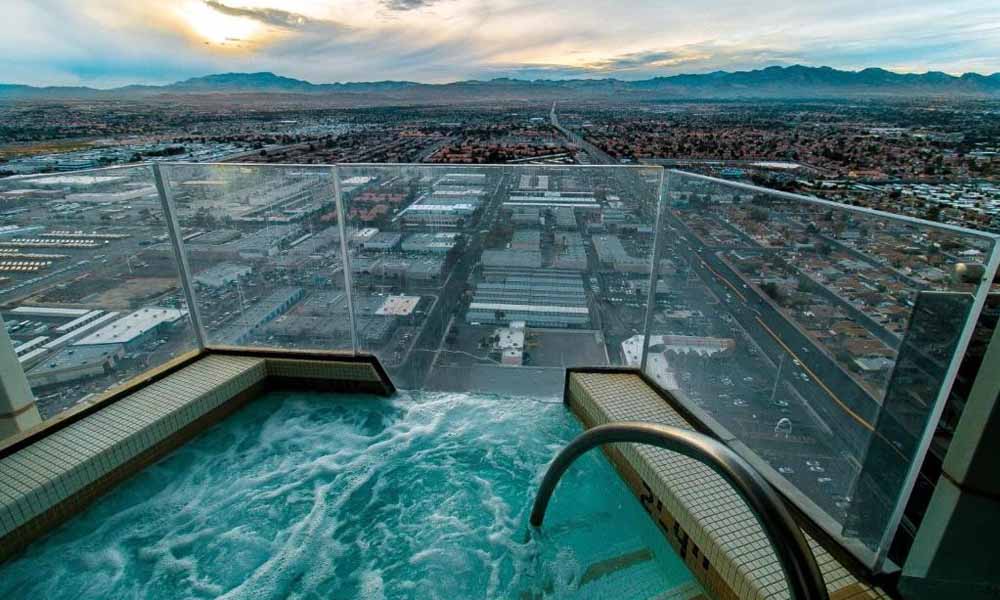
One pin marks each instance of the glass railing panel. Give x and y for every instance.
(263, 246)
(89, 286)
(498, 278)
(820, 337)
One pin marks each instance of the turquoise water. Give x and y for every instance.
(322, 496)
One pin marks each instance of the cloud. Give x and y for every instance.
(109, 42)
(267, 16)
(405, 5)
(691, 58)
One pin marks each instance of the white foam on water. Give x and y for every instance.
(420, 496)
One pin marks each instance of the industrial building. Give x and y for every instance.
(551, 200)
(439, 212)
(539, 299)
(222, 274)
(611, 253)
(462, 179)
(614, 217)
(397, 270)
(398, 306)
(526, 239)
(75, 363)
(248, 320)
(510, 343)
(45, 312)
(263, 242)
(525, 215)
(453, 201)
(522, 259)
(324, 316)
(134, 329)
(383, 241)
(533, 182)
(571, 253)
(322, 242)
(440, 242)
(565, 218)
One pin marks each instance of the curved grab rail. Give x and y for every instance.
(804, 578)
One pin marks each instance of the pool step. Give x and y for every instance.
(703, 517)
(620, 573)
(633, 574)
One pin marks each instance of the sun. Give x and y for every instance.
(215, 27)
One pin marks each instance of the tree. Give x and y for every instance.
(773, 290)
(759, 214)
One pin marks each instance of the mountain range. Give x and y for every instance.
(772, 82)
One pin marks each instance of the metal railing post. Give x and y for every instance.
(654, 271)
(183, 268)
(805, 581)
(345, 258)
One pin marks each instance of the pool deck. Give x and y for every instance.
(699, 513)
(57, 470)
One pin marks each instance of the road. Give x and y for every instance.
(851, 411)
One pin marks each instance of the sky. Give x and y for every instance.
(107, 43)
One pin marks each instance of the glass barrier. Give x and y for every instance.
(498, 278)
(89, 286)
(263, 246)
(821, 338)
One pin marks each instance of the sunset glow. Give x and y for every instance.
(213, 26)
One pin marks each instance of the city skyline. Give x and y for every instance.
(106, 43)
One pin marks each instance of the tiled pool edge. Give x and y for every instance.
(702, 518)
(54, 474)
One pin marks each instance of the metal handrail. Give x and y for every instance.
(804, 578)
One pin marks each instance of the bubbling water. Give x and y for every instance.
(300, 495)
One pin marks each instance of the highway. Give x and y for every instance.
(851, 411)
(839, 403)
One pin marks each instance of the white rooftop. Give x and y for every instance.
(399, 306)
(43, 311)
(131, 326)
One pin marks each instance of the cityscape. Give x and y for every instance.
(781, 319)
(795, 262)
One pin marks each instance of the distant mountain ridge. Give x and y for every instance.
(772, 82)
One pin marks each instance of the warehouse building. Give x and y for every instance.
(462, 179)
(440, 242)
(531, 259)
(249, 320)
(572, 253)
(395, 271)
(263, 242)
(134, 329)
(526, 239)
(73, 364)
(565, 218)
(533, 315)
(439, 211)
(552, 200)
(538, 299)
(383, 241)
(222, 274)
(611, 253)
(525, 215)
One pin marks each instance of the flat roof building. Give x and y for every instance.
(383, 241)
(512, 258)
(222, 274)
(440, 242)
(134, 328)
(74, 363)
(398, 306)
